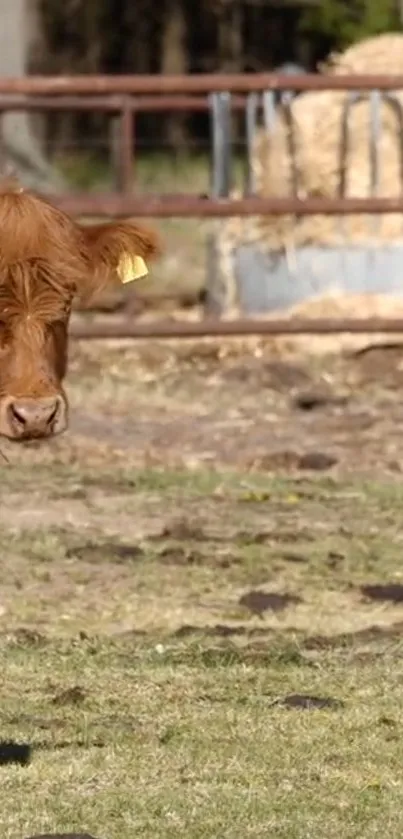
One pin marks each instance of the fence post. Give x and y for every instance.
(122, 146)
(220, 187)
(251, 117)
(221, 174)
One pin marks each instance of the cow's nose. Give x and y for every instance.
(40, 417)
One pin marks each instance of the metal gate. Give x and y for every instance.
(268, 281)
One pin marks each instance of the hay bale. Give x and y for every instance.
(317, 119)
(378, 54)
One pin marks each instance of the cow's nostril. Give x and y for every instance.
(17, 415)
(52, 416)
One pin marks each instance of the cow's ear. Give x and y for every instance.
(118, 251)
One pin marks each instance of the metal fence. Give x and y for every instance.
(125, 96)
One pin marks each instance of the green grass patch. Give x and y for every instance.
(155, 704)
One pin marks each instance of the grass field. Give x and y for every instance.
(201, 610)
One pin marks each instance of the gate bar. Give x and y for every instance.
(188, 206)
(236, 328)
(157, 83)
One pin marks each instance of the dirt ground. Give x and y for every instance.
(239, 404)
(254, 420)
(201, 599)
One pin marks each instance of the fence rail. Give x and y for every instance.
(239, 327)
(124, 96)
(111, 102)
(197, 83)
(190, 206)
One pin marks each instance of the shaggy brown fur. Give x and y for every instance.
(46, 259)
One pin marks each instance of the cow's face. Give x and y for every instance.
(33, 353)
(46, 260)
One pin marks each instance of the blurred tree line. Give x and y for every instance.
(186, 36)
(190, 36)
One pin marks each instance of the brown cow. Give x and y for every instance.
(46, 260)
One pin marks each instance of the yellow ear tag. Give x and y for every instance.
(131, 268)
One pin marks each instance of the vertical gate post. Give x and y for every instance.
(220, 187)
(122, 146)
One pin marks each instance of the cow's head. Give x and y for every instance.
(46, 260)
